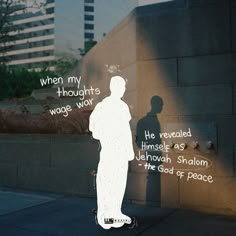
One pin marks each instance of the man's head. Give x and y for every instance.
(117, 86)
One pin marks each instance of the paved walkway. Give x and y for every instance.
(37, 214)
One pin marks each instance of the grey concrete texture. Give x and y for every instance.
(206, 70)
(49, 162)
(12, 201)
(209, 198)
(88, 151)
(49, 150)
(67, 180)
(233, 17)
(183, 54)
(155, 74)
(170, 189)
(195, 100)
(38, 213)
(204, 3)
(183, 32)
(234, 99)
(33, 154)
(8, 174)
(191, 223)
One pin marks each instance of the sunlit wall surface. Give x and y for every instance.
(184, 53)
(147, 2)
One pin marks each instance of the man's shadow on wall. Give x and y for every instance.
(151, 123)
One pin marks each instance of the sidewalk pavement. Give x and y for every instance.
(24, 213)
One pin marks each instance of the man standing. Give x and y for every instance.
(109, 123)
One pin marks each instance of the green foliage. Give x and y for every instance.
(88, 45)
(20, 82)
(64, 65)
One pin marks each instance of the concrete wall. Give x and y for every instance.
(186, 56)
(52, 163)
(184, 52)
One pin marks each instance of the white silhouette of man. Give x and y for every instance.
(109, 122)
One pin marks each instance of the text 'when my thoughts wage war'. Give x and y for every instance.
(63, 92)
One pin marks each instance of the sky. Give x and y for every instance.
(70, 20)
(109, 13)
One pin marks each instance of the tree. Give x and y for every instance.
(20, 82)
(7, 9)
(87, 46)
(64, 65)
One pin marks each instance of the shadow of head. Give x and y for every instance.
(150, 123)
(156, 105)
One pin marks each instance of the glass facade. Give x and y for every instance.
(24, 56)
(36, 65)
(34, 37)
(50, 1)
(24, 15)
(88, 17)
(50, 10)
(31, 45)
(89, 26)
(88, 9)
(88, 35)
(88, 21)
(39, 33)
(57, 29)
(32, 24)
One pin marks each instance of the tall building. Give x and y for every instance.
(33, 46)
(44, 34)
(60, 28)
(88, 20)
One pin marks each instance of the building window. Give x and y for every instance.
(28, 25)
(50, 10)
(89, 9)
(89, 1)
(89, 17)
(88, 35)
(31, 55)
(50, 1)
(89, 26)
